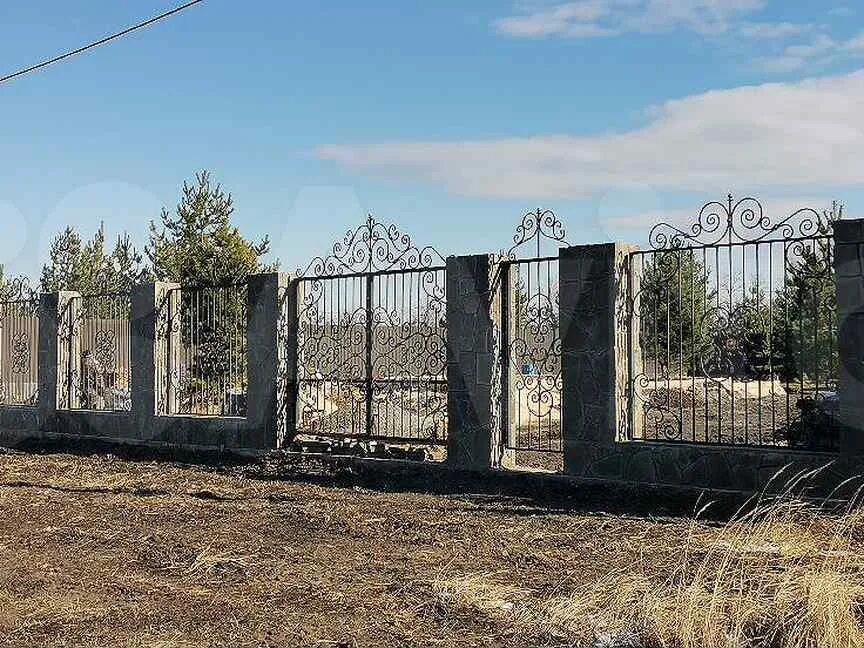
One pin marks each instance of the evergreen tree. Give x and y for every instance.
(805, 309)
(197, 244)
(742, 343)
(86, 267)
(676, 318)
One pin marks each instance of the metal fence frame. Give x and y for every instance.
(89, 371)
(23, 351)
(537, 229)
(730, 233)
(194, 349)
(376, 326)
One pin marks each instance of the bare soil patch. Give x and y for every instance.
(99, 551)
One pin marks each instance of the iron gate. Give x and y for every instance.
(531, 343)
(733, 329)
(371, 349)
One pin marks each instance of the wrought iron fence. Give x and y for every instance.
(99, 350)
(205, 351)
(736, 341)
(371, 350)
(19, 348)
(531, 345)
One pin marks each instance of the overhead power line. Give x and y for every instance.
(99, 42)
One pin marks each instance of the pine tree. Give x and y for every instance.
(197, 244)
(676, 318)
(86, 267)
(805, 309)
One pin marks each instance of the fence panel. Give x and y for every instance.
(533, 390)
(371, 348)
(737, 337)
(19, 351)
(98, 335)
(408, 353)
(332, 358)
(205, 350)
(530, 365)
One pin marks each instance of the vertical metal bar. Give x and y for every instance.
(771, 351)
(168, 364)
(759, 372)
(370, 280)
(693, 333)
(631, 391)
(787, 377)
(504, 356)
(719, 389)
(547, 351)
(70, 345)
(745, 368)
(731, 306)
(680, 363)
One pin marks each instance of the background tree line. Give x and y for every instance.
(691, 324)
(196, 244)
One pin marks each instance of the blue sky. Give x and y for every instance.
(448, 118)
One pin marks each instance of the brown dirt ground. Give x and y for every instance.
(98, 551)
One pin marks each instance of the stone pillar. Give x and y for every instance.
(267, 351)
(594, 348)
(473, 364)
(53, 357)
(849, 272)
(150, 329)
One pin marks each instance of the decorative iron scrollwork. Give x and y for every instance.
(741, 221)
(534, 354)
(105, 350)
(19, 290)
(373, 247)
(537, 226)
(20, 353)
(371, 345)
(19, 330)
(734, 325)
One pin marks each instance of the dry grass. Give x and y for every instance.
(96, 551)
(783, 573)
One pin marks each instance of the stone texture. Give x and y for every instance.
(267, 354)
(149, 330)
(473, 371)
(849, 267)
(53, 357)
(594, 358)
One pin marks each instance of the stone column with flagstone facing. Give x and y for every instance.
(473, 362)
(595, 354)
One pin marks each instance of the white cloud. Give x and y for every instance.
(778, 53)
(767, 30)
(820, 51)
(802, 135)
(583, 18)
(855, 44)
